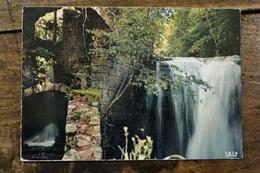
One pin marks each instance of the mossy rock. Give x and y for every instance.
(89, 95)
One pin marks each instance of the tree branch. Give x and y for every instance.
(211, 29)
(119, 93)
(54, 38)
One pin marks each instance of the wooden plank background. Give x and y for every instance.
(10, 79)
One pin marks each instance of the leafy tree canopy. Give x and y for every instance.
(136, 32)
(204, 33)
(137, 35)
(44, 27)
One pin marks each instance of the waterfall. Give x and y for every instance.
(159, 118)
(50, 73)
(45, 138)
(200, 124)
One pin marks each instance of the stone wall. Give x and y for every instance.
(45, 86)
(83, 138)
(110, 77)
(127, 111)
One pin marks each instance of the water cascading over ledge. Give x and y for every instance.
(199, 124)
(43, 125)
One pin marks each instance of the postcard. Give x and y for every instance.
(130, 83)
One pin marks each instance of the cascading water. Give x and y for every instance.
(45, 138)
(43, 122)
(50, 73)
(199, 124)
(218, 127)
(159, 118)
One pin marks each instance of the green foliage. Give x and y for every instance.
(78, 114)
(44, 58)
(136, 33)
(42, 53)
(44, 26)
(90, 94)
(204, 33)
(75, 115)
(142, 148)
(148, 79)
(43, 63)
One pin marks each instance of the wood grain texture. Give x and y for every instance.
(10, 79)
(11, 10)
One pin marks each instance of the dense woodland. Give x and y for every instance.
(178, 32)
(142, 36)
(204, 33)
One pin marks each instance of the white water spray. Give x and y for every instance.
(45, 138)
(50, 73)
(210, 128)
(159, 118)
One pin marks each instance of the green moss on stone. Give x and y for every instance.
(90, 94)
